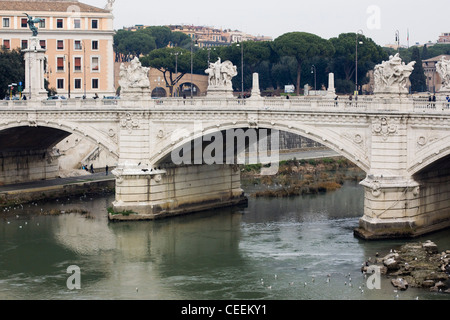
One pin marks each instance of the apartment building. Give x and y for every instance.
(78, 39)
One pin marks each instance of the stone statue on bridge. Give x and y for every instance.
(134, 79)
(443, 69)
(391, 77)
(220, 75)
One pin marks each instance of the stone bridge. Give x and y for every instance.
(403, 144)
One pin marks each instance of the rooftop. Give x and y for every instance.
(48, 5)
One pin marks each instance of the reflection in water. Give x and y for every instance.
(268, 250)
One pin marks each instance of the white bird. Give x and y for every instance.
(137, 289)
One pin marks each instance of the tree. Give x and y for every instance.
(162, 35)
(133, 43)
(283, 72)
(425, 53)
(179, 39)
(417, 78)
(302, 46)
(12, 69)
(344, 60)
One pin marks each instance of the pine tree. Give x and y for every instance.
(418, 80)
(425, 52)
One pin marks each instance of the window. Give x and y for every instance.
(94, 83)
(42, 23)
(94, 24)
(78, 45)
(24, 44)
(43, 44)
(24, 23)
(77, 66)
(94, 64)
(77, 23)
(5, 22)
(60, 83)
(94, 45)
(60, 64)
(77, 84)
(6, 44)
(60, 44)
(59, 23)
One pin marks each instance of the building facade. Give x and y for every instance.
(433, 80)
(78, 40)
(444, 37)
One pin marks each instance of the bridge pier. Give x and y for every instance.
(150, 194)
(405, 208)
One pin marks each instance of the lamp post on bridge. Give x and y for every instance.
(242, 67)
(176, 54)
(314, 70)
(359, 32)
(192, 62)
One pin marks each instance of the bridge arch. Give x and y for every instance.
(429, 151)
(183, 136)
(63, 130)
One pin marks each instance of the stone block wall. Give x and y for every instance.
(25, 166)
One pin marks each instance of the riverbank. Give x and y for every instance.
(415, 265)
(302, 177)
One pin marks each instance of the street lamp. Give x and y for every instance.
(176, 54)
(313, 70)
(209, 54)
(356, 60)
(192, 63)
(242, 68)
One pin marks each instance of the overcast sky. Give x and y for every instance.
(378, 19)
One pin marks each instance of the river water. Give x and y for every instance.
(274, 249)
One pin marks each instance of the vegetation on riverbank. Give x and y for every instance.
(301, 177)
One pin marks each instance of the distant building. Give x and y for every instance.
(78, 39)
(433, 79)
(444, 38)
(209, 36)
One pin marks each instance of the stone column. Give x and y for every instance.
(331, 92)
(256, 93)
(34, 70)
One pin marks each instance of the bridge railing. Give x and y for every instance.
(362, 104)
